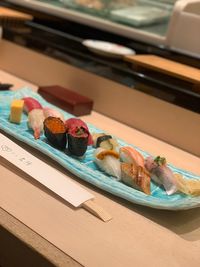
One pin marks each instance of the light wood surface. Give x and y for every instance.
(98, 211)
(9, 14)
(166, 66)
(136, 235)
(17, 83)
(27, 246)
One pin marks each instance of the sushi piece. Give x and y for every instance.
(95, 136)
(131, 155)
(50, 112)
(105, 141)
(78, 123)
(136, 177)
(108, 161)
(30, 104)
(161, 173)
(77, 140)
(35, 121)
(16, 109)
(55, 132)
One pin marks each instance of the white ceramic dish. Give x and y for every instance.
(107, 49)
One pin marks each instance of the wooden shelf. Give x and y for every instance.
(167, 67)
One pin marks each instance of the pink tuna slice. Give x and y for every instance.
(73, 124)
(30, 104)
(78, 131)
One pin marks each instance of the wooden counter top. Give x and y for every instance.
(137, 236)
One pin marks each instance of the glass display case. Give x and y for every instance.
(170, 23)
(128, 12)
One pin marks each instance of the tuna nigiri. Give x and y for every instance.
(131, 155)
(74, 123)
(108, 161)
(35, 121)
(161, 173)
(31, 103)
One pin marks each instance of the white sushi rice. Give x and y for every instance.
(109, 164)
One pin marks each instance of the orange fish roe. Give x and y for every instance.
(55, 125)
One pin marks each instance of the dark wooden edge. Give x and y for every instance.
(21, 246)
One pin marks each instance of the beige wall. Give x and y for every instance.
(160, 119)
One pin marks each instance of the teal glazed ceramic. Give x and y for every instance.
(85, 168)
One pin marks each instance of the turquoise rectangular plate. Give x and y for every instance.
(85, 168)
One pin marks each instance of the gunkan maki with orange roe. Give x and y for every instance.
(55, 132)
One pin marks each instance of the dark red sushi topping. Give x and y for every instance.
(78, 131)
(74, 125)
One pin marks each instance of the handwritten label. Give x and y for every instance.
(57, 182)
(8, 149)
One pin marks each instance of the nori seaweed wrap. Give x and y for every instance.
(76, 122)
(55, 132)
(105, 141)
(77, 140)
(102, 138)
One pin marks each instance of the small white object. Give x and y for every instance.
(108, 49)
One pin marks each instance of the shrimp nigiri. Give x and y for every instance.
(35, 121)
